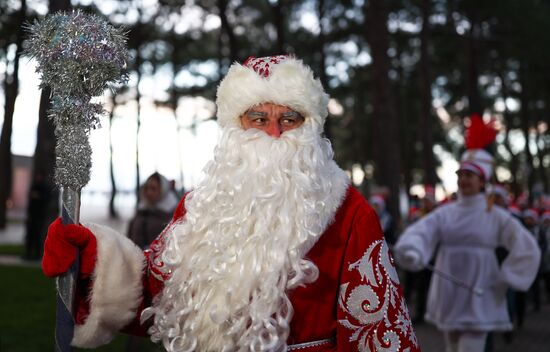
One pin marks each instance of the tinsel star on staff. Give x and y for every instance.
(79, 56)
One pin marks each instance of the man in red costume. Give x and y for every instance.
(273, 250)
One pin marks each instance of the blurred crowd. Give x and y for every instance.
(533, 214)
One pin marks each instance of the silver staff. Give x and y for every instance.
(78, 56)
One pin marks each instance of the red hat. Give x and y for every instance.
(280, 79)
(414, 213)
(429, 192)
(514, 210)
(378, 200)
(531, 213)
(501, 191)
(522, 200)
(478, 136)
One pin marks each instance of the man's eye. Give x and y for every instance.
(259, 121)
(289, 121)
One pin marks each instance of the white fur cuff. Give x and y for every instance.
(116, 291)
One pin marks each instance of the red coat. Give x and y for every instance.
(356, 304)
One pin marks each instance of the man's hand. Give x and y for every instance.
(60, 249)
(410, 259)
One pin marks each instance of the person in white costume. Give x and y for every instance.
(466, 233)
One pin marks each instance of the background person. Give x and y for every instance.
(466, 233)
(156, 206)
(386, 220)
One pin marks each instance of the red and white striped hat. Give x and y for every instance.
(501, 191)
(479, 162)
(478, 136)
(282, 80)
(514, 210)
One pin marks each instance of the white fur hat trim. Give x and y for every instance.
(478, 161)
(289, 82)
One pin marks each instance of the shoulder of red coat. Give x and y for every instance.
(180, 209)
(355, 200)
(354, 197)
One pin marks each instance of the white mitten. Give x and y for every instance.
(410, 259)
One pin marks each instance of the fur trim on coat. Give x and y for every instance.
(116, 291)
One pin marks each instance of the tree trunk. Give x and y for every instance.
(6, 167)
(388, 159)
(525, 125)
(427, 117)
(11, 89)
(277, 9)
(138, 122)
(43, 204)
(174, 97)
(112, 210)
(409, 139)
(514, 162)
(138, 100)
(322, 60)
(227, 33)
(474, 99)
(540, 168)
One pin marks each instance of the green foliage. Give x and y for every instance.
(480, 53)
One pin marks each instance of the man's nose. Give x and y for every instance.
(274, 130)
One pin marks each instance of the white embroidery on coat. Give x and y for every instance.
(370, 310)
(153, 254)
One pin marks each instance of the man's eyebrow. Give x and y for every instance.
(256, 113)
(292, 114)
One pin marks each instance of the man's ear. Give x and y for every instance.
(241, 123)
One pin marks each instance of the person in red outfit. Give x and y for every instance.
(272, 251)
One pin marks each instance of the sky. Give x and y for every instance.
(166, 144)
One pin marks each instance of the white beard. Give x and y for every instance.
(262, 205)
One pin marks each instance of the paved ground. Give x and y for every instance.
(533, 337)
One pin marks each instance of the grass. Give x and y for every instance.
(12, 249)
(27, 313)
(27, 310)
